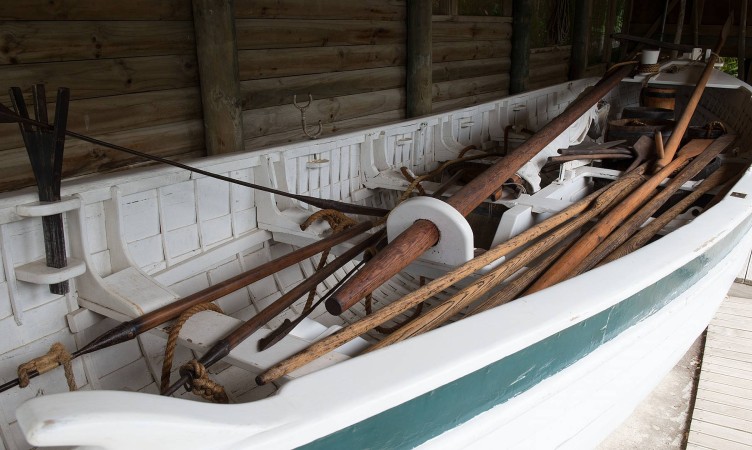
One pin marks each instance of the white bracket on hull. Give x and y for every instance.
(455, 244)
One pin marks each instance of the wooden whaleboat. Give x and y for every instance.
(493, 337)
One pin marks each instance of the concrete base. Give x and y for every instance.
(662, 420)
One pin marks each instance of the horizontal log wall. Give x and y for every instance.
(548, 66)
(131, 69)
(350, 56)
(470, 60)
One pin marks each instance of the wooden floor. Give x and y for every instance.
(722, 416)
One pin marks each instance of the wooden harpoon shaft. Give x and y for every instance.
(423, 234)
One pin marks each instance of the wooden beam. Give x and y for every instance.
(580, 38)
(742, 48)
(216, 48)
(627, 22)
(679, 27)
(610, 23)
(522, 11)
(419, 67)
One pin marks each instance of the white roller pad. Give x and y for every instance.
(455, 244)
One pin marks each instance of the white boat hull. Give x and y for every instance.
(572, 360)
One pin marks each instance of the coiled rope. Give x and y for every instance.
(57, 356)
(200, 383)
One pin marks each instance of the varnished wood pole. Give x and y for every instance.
(419, 82)
(580, 37)
(681, 125)
(217, 52)
(633, 223)
(513, 288)
(564, 267)
(410, 244)
(129, 330)
(412, 299)
(522, 11)
(444, 311)
(647, 232)
(224, 346)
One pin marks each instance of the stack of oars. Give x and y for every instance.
(543, 247)
(552, 251)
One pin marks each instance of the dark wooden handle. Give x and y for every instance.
(423, 234)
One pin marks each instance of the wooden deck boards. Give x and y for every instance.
(722, 416)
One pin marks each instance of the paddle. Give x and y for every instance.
(223, 347)
(416, 297)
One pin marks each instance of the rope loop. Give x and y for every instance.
(200, 383)
(337, 222)
(57, 356)
(172, 340)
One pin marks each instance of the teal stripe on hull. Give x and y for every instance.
(422, 418)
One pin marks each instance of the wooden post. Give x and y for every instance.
(216, 49)
(419, 81)
(580, 38)
(522, 11)
(742, 57)
(628, 8)
(679, 27)
(607, 41)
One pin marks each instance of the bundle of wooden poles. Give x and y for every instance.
(599, 228)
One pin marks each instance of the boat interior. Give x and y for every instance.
(142, 239)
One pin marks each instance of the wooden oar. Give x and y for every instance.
(574, 157)
(512, 289)
(416, 297)
(351, 208)
(441, 313)
(681, 125)
(129, 330)
(635, 221)
(564, 266)
(724, 175)
(223, 347)
(423, 234)
(288, 325)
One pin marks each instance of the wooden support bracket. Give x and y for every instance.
(45, 149)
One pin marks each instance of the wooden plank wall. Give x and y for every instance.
(350, 56)
(132, 71)
(470, 59)
(548, 66)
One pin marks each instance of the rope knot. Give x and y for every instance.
(337, 220)
(57, 356)
(172, 339)
(200, 383)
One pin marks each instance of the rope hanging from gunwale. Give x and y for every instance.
(337, 222)
(57, 356)
(203, 385)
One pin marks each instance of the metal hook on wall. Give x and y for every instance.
(302, 109)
